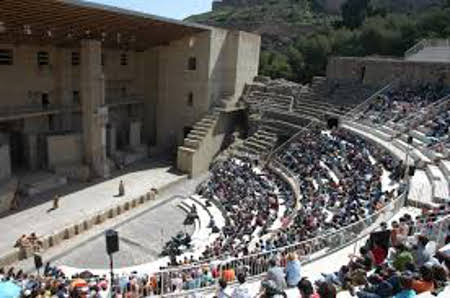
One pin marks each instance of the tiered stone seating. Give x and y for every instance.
(261, 142)
(259, 101)
(340, 93)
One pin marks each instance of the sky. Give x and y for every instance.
(175, 9)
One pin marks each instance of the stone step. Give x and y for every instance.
(192, 143)
(439, 183)
(417, 134)
(194, 137)
(264, 142)
(251, 143)
(445, 167)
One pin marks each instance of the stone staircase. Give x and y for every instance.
(200, 145)
(261, 142)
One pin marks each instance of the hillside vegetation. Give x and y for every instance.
(298, 36)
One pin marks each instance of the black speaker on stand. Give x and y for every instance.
(112, 246)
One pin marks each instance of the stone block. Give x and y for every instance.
(87, 225)
(112, 212)
(69, 232)
(9, 257)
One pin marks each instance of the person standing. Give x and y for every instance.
(55, 202)
(121, 189)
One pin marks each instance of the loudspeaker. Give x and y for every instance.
(412, 170)
(112, 241)
(410, 140)
(332, 123)
(37, 261)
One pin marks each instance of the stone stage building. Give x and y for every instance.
(87, 87)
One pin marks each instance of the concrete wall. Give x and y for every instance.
(226, 60)
(196, 161)
(379, 71)
(64, 150)
(247, 63)
(175, 82)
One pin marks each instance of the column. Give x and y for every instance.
(135, 134)
(94, 112)
(63, 86)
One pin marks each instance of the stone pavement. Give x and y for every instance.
(83, 203)
(139, 230)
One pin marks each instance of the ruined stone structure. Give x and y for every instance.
(380, 71)
(86, 87)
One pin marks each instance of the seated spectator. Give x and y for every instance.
(293, 275)
(306, 289)
(276, 274)
(241, 291)
(406, 288)
(425, 282)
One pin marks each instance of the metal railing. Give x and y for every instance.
(359, 109)
(415, 119)
(256, 264)
(426, 43)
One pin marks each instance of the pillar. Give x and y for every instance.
(63, 85)
(31, 151)
(135, 134)
(94, 111)
(112, 140)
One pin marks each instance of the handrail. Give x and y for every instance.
(415, 48)
(417, 117)
(338, 238)
(355, 112)
(435, 233)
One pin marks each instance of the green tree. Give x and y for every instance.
(354, 13)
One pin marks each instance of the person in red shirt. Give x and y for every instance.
(378, 253)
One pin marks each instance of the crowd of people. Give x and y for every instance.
(437, 131)
(30, 242)
(399, 102)
(250, 198)
(330, 203)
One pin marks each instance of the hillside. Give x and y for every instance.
(278, 21)
(298, 36)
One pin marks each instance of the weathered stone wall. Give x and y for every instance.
(7, 192)
(379, 71)
(225, 61)
(64, 150)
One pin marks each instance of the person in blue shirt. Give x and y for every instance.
(293, 270)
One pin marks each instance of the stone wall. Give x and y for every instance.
(64, 150)
(7, 192)
(380, 71)
(225, 61)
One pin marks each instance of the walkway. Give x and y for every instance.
(82, 203)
